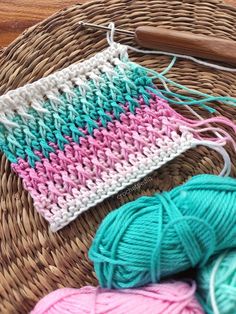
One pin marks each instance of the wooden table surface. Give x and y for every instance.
(17, 15)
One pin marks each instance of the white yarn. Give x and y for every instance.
(212, 283)
(222, 151)
(23, 97)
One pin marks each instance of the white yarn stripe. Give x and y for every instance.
(115, 181)
(33, 94)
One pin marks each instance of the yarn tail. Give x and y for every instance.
(209, 132)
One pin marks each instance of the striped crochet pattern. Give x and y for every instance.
(84, 133)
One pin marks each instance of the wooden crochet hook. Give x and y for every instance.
(178, 42)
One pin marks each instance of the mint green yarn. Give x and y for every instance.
(217, 284)
(82, 110)
(97, 107)
(155, 237)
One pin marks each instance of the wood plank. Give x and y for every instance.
(232, 2)
(17, 15)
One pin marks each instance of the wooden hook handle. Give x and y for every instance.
(201, 46)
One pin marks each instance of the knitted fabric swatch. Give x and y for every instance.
(84, 133)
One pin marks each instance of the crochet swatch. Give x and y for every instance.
(84, 133)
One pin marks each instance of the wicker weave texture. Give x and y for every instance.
(35, 261)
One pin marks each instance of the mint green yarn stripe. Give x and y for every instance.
(80, 112)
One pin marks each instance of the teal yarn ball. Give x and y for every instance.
(217, 284)
(155, 237)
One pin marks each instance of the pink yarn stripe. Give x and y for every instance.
(70, 206)
(84, 174)
(94, 155)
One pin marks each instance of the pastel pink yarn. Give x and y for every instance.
(165, 298)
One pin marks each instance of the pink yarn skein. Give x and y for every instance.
(165, 298)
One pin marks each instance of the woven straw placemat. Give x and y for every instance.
(35, 261)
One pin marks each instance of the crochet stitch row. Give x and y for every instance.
(86, 132)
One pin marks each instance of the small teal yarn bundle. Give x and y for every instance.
(155, 237)
(217, 284)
